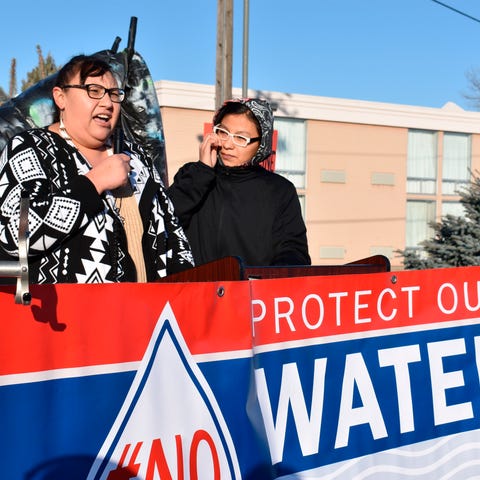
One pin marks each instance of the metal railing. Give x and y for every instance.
(19, 269)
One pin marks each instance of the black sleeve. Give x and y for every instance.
(190, 186)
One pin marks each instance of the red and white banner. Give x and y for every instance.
(352, 376)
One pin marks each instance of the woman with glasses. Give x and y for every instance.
(95, 215)
(228, 204)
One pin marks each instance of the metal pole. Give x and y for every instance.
(228, 49)
(245, 48)
(219, 57)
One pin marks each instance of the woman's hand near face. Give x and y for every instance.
(110, 173)
(209, 149)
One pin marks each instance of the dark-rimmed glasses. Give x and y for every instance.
(97, 92)
(239, 140)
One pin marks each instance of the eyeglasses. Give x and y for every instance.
(239, 140)
(97, 92)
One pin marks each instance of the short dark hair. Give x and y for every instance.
(85, 65)
(236, 108)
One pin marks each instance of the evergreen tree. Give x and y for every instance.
(3, 96)
(13, 79)
(45, 67)
(456, 239)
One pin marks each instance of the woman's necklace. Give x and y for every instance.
(68, 138)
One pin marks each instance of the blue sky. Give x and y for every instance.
(413, 52)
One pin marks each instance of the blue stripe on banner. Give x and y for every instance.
(328, 403)
(58, 426)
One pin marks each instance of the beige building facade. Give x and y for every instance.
(370, 176)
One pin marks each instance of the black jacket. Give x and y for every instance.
(247, 212)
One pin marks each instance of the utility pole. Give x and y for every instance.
(245, 49)
(223, 83)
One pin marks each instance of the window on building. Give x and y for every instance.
(420, 215)
(421, 161)
(290, 157)
(456, 162)
(453, 208)
(424, 164)
(302, 204)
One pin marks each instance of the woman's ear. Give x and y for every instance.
(59, 97)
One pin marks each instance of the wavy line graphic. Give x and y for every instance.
(447, 458)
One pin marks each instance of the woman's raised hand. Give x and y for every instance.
(209, 149)
(110, 173)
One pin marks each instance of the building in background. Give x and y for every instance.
(371, 176)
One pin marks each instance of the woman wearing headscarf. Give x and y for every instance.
(85, 226)
(228, 204)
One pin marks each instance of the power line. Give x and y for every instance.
(457, 11)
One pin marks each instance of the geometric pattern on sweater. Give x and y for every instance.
(62, 214)
(26, 166)
(48, 268)
(68, 241)
(95, 267)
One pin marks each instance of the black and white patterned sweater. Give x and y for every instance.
(75, 234)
